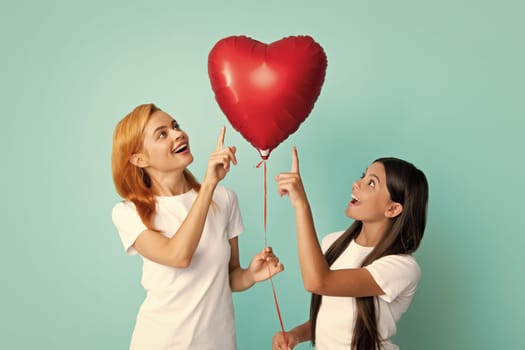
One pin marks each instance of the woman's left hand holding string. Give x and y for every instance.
(264, 265)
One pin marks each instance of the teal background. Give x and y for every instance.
(438, 83)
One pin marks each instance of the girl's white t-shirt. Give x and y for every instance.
(397, 275)
(185, 308)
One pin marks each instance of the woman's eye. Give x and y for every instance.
(371, 183)
(163, 134)
(362, 175)
(175, 125)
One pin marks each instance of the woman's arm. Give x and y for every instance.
(316, 274)
(261, 267)
(178, 250)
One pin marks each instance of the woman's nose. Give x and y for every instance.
(177, 135)
(355, 185)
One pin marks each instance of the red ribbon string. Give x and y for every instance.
(266, 245)
(265, 203)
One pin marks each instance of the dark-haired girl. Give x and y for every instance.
(363, 279)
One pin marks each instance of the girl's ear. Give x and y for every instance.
(393, 210)
(138, 160)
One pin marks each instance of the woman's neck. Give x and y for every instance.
(169, 184)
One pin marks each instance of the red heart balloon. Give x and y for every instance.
(266, 91)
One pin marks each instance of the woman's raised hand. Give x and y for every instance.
(220, 160)
(291, 184)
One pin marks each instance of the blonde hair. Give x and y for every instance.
(131, 182)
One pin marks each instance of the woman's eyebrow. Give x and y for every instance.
(159, 128)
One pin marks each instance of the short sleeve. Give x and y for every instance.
(129, 225)
(396, 275)
(329, 239)
(235, 224)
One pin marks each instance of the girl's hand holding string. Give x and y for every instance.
(282, 342)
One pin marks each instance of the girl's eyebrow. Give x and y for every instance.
(377, 177)
(372, 174)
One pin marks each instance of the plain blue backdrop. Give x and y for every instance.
(438, 83)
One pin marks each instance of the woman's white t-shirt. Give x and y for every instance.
(185, 308)
(398, 277)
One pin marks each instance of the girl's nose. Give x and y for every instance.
(355, 185)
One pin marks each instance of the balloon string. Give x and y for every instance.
(265, 205)
(265, 202)
(266, 245)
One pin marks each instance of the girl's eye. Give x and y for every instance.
(175, 125)
(372, 183)
(362, 175)
(163, 134)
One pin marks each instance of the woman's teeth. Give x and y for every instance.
(181, 148)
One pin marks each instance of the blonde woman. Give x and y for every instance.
(186, 233)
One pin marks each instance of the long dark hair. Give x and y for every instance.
(408, 186)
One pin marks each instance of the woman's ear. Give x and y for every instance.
(393, 210)
(138, 160)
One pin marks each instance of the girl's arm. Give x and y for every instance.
(261, 267)
(178, 250)
(316, 274)
(291, 338)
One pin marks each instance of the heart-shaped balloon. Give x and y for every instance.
(266, 90)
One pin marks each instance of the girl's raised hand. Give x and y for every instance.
(220, 159)
(290, 183)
